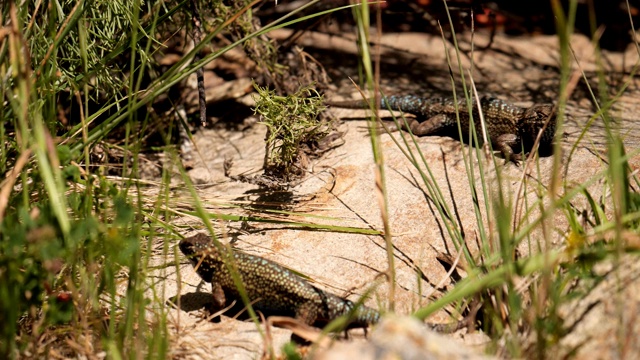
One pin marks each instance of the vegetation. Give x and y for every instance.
(77, 237)
(293, 124)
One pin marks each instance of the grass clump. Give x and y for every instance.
(70, 238)
(293, 128)
(75, 244)
(520, 299)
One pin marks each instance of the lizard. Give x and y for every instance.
(508, 126)
(270, 287)
(275, 289)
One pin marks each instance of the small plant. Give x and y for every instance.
(292, 127)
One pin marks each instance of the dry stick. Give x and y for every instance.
(381, 196)
(85, 137)
(222, 311)
(197, 37)
(267, 350)
(302, 330)
(485, 138)
(8, 183)
(526, 167)
(34, 16)
(573, 82)
(447, 276)
(456, 325)
(380, 176)
(58, 35)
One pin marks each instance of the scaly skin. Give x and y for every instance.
(274, 289)
(508, 126)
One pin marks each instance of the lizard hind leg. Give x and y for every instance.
(505, 143)
(307, 313)
(430, 126)
(401, 124)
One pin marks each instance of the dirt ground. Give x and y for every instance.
(340, 188)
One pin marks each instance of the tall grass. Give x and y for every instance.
(495, 275)
(76, 242)
(511, 312)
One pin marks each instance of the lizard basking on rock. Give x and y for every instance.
(508, 126)
(273, 289)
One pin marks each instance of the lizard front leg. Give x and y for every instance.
(505, 143)
(219, 299)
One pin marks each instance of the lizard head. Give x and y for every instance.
(533, 121)
(195, 245)
(196, 248)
